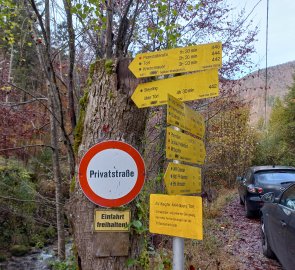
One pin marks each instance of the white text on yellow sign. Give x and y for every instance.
(182, 179)
(179, 60)
(176, 215)
(182, 116)
(180, 146)
(111, 221)
(203, 84)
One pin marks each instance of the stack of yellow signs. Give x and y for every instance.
(175, 214)
(181, 215)
(204, 58)
(180, 178)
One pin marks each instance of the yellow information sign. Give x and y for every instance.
(182, 116)
(179, 60)
(182, 179)
(111, 220)
(203, 84)
(180, 146)
(176, 215)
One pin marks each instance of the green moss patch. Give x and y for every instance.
(80, 125)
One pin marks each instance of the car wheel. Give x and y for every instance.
(248, 213)
(266, 249)
(241, 201)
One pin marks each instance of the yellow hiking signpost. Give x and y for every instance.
(176, 215)
(194, 86)
(182, 179)
(179, 60)
(182, 116)
(180, 146)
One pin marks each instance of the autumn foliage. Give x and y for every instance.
(21, 126)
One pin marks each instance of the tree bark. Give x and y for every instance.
(72, 53)
(57, 176)
(110, 114)
(55, 107)
(9, 71)
(109, 29)
(122, 32)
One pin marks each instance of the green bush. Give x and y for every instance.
(17, 200)
(19, 250)
(37, 241)
(50, 232)
(2, 257)
(68, 264)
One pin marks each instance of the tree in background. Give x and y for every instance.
(290, 122)
(276, 144)
(230, 145)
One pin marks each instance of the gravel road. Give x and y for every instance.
(243, 240)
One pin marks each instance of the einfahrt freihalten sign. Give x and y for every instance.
(111, 220)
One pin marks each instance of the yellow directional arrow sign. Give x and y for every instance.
(182, 179)
(199, 85)
(178, 60)
(180, 146)
(182, 116)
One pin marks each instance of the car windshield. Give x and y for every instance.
(274, 177)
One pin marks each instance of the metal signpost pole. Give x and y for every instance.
(178, 242)
(178, 253)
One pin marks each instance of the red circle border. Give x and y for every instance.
(94, 150)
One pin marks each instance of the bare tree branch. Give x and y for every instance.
(26, 146)
(39, 99)
(16, 199)
(124, 25)
(132, 29)
(10, 104)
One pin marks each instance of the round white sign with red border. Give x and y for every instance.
(111, 173)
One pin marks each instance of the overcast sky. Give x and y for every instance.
(281, 35)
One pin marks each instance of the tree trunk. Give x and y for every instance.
(72, 53)
(109, 29)
(48, 69)
(110, 114)
(9, 71)
(57, 176)
(122, 32)
(56, 121)
(55, 107)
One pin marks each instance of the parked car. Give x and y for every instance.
(259, 180)
(278, 227)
